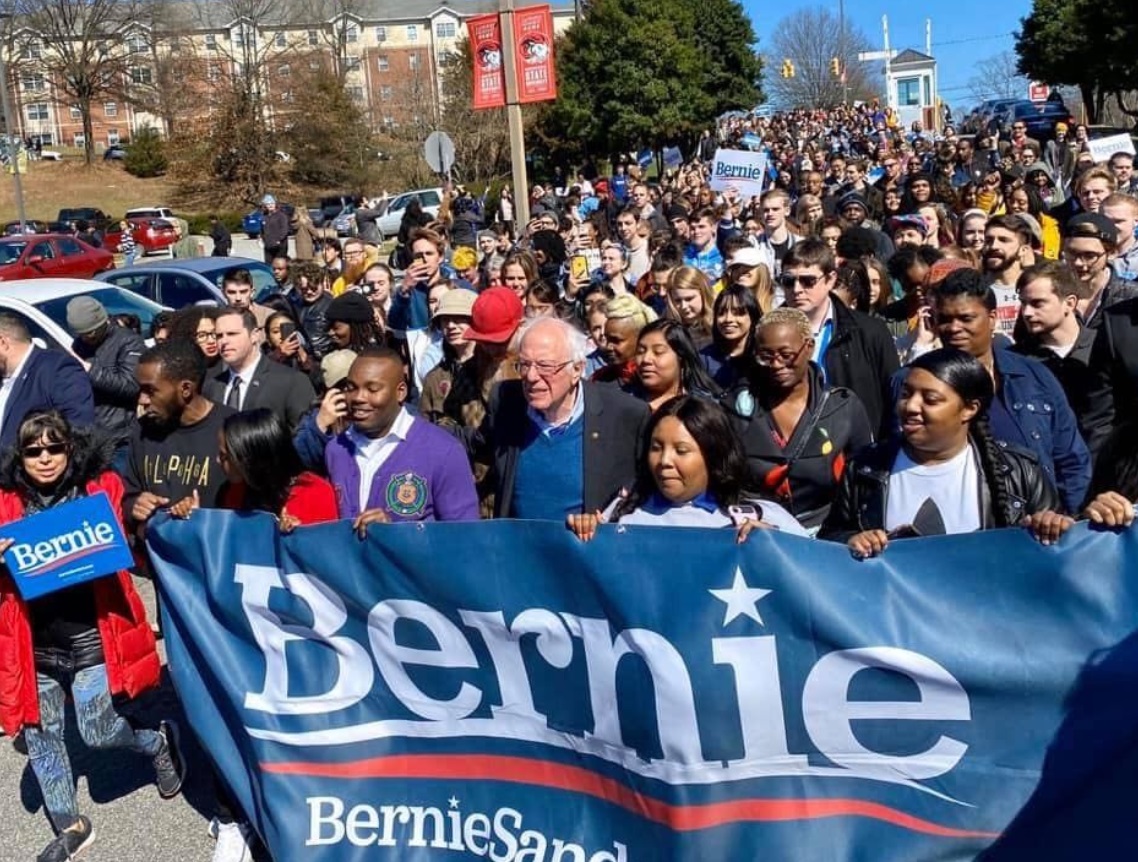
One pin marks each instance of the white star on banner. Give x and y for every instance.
(452, 802)
(741, 599)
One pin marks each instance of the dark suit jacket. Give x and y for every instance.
(285, 391)
(614, 424)
(49, 380)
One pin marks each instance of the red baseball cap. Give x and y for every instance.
(495, 317)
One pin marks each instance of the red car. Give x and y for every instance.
(53, 254)
(150, 235)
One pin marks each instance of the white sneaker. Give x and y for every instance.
(233, 843)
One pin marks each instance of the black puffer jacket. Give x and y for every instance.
(113, 380)
(863, 496)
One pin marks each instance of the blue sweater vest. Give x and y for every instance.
(549, 483)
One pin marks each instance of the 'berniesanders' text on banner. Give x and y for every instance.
(500, 689)
(739, 169)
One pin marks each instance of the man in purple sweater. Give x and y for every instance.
(389, 465)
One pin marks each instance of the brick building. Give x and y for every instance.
(391, 54)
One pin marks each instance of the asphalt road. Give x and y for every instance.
(116, 790)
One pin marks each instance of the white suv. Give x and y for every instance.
(393, 215)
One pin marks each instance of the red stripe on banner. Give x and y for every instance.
(541, 773)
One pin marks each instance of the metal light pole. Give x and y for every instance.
(13, 155)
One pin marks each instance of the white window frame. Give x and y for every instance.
(412, 32)
(381, 33)
(42, 111)
(446, 30)
(110, 109)
(383, 63)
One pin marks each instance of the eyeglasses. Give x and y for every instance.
(354, 253)
(543, 369)
(1082, 256)
(783, 360)
(789, 279)
(205, 336)
(50, 449)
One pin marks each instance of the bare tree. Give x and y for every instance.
(171, 90)
(80, 46)
(811, 39)
(997, 78)
(247, 66)
(336, 23)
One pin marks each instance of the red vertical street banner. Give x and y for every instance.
(533, 48)
(486, 45)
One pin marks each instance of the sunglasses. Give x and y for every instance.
(788, 280)
(50, 449)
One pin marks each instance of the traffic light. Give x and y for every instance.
(787, 68)
(836, 67)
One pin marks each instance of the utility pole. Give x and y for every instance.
(9, 129)
(842, 54)
(514, 116)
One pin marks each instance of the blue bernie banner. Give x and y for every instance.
(501, 689)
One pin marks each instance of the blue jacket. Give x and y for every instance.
(1033, 413)
(49, 380)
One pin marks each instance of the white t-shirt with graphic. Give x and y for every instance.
(952, 486)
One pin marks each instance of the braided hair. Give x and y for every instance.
(972, 382)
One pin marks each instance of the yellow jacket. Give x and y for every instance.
(343, 282)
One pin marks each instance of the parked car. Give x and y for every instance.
(42, 305)
(73, 215)
(253, 222)
(338, 211)
(32, 225)
(50, 156)
(430, 199)
(1039, 117)
(53, 254)
(981, 116)
(189, 281)
(114, 153)
(151, 235)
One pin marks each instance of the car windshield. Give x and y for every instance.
(115, 300)
(399, 203)
(10, 251)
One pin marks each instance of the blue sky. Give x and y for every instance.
(964, 31)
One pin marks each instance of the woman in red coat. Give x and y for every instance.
(91, 638)
(263, 473)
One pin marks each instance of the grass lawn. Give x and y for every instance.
(51, 186)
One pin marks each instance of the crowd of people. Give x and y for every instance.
(906, 334)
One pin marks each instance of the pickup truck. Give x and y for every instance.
(92, 215)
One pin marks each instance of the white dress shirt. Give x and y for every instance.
(371, 453)
(9, 382)
(246, 381)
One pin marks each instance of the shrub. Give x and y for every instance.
(199, 222)
(146, 155)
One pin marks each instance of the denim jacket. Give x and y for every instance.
(1033, 413)
(1042, 420)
